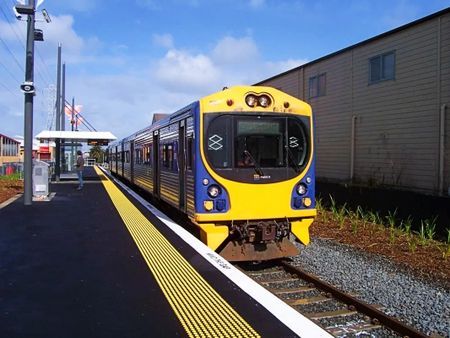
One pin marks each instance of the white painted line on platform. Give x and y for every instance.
(295, 321)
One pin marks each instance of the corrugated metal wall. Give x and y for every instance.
(395, 123)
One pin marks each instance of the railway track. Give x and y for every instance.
(341, 314)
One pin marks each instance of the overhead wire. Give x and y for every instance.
(83, 119)
(12, 54)
(8, 89)
(42, 72)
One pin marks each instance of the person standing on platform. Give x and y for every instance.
(79, 168)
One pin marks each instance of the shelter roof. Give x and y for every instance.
(52, 135)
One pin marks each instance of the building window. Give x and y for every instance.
(317, 85)
(382, 67)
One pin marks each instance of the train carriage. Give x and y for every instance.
(239, 163)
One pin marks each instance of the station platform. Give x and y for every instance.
(102, 262)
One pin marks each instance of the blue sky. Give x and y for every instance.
(127, 60)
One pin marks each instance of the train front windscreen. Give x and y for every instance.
(257, 147)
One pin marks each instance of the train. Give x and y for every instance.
(239, 163)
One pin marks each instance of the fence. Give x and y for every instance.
(8, 169)
(16, 168)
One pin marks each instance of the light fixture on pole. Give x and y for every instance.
(29, 91)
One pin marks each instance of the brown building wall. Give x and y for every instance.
(384, 133)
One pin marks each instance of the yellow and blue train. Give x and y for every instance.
(239, 163)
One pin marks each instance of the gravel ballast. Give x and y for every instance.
(376, 280)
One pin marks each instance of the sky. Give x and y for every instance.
(126, 60)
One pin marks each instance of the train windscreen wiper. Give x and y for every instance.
(256, 166)
(292, 160)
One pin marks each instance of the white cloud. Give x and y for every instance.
(163, 40)
(61, 30)
(125, 101)
(181, 71)
(283, 66)
(232, 50)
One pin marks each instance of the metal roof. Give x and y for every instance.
(75, 135)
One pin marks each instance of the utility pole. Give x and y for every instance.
(63, 113)
(28, 88)
(58, 116)
(72, 121)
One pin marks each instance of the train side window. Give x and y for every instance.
(127, 156)
(170, 156)
(190, 153)
(297, 143)
(164, 155)
(138, 156)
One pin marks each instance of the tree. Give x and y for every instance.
(98, 153)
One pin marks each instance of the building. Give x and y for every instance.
(9, 150)
(381, 108)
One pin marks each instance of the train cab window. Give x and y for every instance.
(257, 148)
(219, 140)
(259, 143)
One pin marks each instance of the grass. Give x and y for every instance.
(446, 252)
(424, 236)
(12, 177)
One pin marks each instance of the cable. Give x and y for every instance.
(8, 89)
(12, 28)
(68, 105)
(45, 79)
(14, 57)
(9, 72)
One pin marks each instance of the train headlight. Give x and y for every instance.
(308, 180)
(302, 189)
(208, 205)
(264, 101)
(213, 191)
(205, 181)
(307, 202)
(251, 100)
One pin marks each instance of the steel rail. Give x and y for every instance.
(376, 315)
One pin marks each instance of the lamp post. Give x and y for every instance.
(28, 88)
(29, 91)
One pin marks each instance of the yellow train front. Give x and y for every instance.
(254, 172)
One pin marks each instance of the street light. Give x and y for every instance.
(29, 91)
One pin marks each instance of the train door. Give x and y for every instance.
(116, 168)
(122, 159)
(182, 164)
(132, 159)
(156, 172)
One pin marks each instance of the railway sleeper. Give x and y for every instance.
(353, 328)
(304, 301)
(287, 291)
(331, 314)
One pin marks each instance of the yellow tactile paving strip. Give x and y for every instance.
(200, 309)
